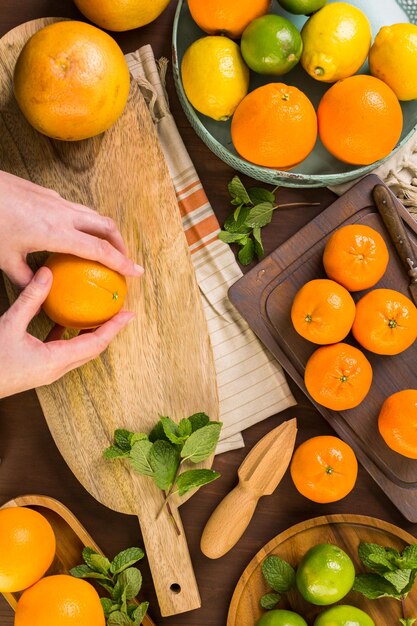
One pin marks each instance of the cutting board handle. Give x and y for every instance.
(229, 521)
(169, 559)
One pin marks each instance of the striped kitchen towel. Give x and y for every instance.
(251, 384)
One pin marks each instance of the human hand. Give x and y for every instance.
(26, 361)
(33, 218)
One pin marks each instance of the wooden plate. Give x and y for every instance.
(71, 538)
(264, 297)
(346, 531)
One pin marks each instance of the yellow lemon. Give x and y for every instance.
(393, 59)
(214, 76)
(336, 42)
(119, 15)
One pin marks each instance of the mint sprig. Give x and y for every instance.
(120, 579)
(253, 209)
(280, 576)
(161, 455)
(392, 574)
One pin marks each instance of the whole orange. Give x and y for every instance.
(84, 293)
(71, 81)
(60, 601)
(360, 120)
(324, 469)
(275, 126)
(397, 422)
(120, 15)
(356, 256)
(323, 311)
(385, 322)
(226, 17)
(27, 548)
(338, 376)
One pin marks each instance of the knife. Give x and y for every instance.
(259, 475)
(386, 206)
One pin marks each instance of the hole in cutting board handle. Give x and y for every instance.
(175, 588)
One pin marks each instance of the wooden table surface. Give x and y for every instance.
(31, 463)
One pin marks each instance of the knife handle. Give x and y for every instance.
(228, 522)
(395, 226)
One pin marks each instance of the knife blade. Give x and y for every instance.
(385, 204)
(259, 475)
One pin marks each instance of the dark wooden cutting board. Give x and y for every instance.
(264, 297)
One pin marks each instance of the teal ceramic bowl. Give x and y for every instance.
(320, 169)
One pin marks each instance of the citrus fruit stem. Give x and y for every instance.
(308, 319)
(329, 470)
(319, 71)
(392, 323)
(343, 378)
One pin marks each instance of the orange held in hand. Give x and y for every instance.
(338, 376)
(397, 422)
(71, 81)
(275, 126)
(84, 293)
(324, 469)
(356, 256)
(323, 311)
(360, 120)
(27, 548)
(226, 17)
(60, 601)
(385, 322)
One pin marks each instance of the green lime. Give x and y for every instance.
(281, 618)
(344, 615)
(325, 575)
(302, 7)
(271, 44)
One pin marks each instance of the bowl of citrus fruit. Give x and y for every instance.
(305, 93)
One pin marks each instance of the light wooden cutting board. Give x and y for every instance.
(162, 363)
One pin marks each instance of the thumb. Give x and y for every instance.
(31, 299)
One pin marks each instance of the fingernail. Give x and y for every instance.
(43, 276)
(138, 269)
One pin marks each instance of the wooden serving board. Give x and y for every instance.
(264, 297)
(162, 363)
(345, 531)
(71, 538)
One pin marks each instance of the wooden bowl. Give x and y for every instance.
(320, 169)
(71, 538)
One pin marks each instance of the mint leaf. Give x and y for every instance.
(126, 559)
(198, 420)
(83, 571)
(139, 613)
(202, 443)
(260, 215)
(406, 590)
(259, 195)
(185, 428)
(408, 621)
(374, 586)
(117, 618)
(113, 452)
(130, 582)
(246, 253)
(164, 460)
(95, 561)
(137, 437)
(398, 578)
(122, 439)
(279, 574)
(237, 210)
(228, 237)
(375, 557)
(171, 430)
(237, 190)
(270, 600)
(257, 240)
(409, 557)
(139, 457)
(233, 225)
(157, 433)
(107, 605)
(192, 479)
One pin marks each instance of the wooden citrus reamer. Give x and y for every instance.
(162, 363)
